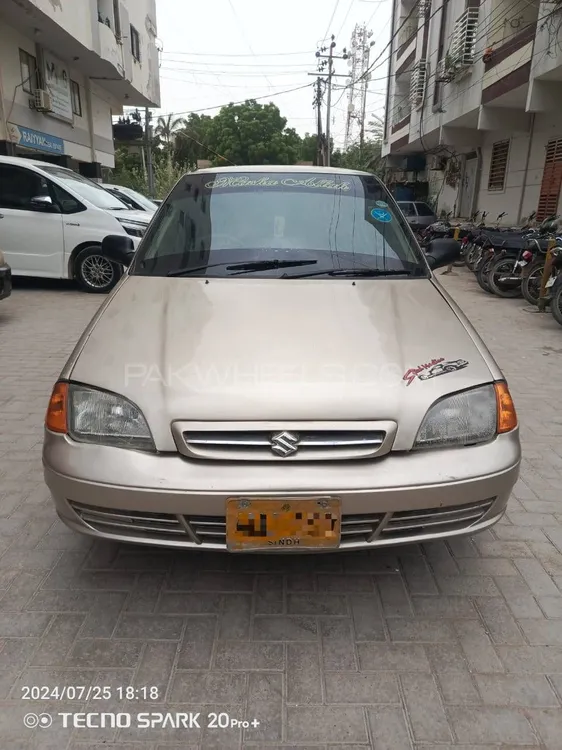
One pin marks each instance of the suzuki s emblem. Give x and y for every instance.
(284, 443)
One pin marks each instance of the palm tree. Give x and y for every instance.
(376, 128)
(167, 127)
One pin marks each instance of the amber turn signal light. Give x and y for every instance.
(507, 416)
(55, 419)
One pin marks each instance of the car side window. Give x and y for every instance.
(407, 208)
(424, 209)
(67, 203)
(18, 186)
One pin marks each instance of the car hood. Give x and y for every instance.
(140, 217)
(271, 349)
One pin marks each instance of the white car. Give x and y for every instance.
(53, 222)
(132, 198)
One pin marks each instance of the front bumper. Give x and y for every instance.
(5, 281)
(170, 501)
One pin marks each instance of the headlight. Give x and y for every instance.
(106, 419)
(133, 228)
(468, 418)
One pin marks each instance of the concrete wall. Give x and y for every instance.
(74, 17)
(77, 135)
(518, 183)
(507, 17)
(145, 74)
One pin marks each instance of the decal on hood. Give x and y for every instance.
(433, 369)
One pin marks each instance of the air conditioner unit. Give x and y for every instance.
(417, 84)
(42, 100)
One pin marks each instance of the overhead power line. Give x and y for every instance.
(239, 54)
(334, 11)
(241, 101)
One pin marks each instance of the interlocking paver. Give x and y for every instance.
(449, 645)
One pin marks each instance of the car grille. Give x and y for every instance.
(376, 528)
(262, 445)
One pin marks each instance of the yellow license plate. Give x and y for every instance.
(286, 523)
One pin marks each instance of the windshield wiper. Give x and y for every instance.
(366, 272)
(264, 265)
(248, 267)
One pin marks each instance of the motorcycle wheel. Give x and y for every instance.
(476, 260)
(556, 305)
(505, 289)
(482, 274)
(531, 284)
(470, 257)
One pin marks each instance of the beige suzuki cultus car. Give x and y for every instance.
(280, 370)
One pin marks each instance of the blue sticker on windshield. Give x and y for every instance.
(381, 204)
(380, 214)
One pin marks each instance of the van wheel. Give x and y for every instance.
(94, 272)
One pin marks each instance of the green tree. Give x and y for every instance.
(192, 141)
(253, 133)
(309, 148)
(167, 127)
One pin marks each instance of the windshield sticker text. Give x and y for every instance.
(381, 214)
(381, 204)
(433, 369)
(316, 183)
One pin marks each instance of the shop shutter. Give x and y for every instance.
(551, 180)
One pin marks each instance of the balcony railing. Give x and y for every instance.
(418, 84)
(407, 32)
(463, 46)
(401, 113)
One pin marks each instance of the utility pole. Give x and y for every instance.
(148, 146)
(328, 61)
(319, 134)
(329, 103)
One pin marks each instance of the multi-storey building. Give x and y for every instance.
(476, 89)
(67, 66)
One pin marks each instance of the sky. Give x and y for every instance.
(222, 51)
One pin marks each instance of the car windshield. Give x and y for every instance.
(125, 192)
(86, 188)
(424, 209)
(273, 222)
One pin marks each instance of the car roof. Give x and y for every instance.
(21, 161)
(282, 168)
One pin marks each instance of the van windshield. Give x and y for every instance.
(270, 221)
(86, 189)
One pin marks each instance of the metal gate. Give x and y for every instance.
(551, 180)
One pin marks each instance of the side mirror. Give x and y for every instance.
(118, 248)
(43, 203)
(442, 252)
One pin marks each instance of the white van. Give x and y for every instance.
(53, 221)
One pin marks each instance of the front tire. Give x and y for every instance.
(556, 304)
(94, 272)
(531, 284)
(482, 274)
(506, 289)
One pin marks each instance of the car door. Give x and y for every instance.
(409, 211)
(31, 234)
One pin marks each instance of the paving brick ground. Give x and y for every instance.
(446, 645)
